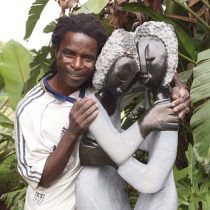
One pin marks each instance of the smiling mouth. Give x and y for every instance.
(75, 75)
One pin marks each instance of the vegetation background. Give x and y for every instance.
(21, 69)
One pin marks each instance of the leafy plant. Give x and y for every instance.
(14, 67)
(193, 185)
(20, 69)
(200, 122)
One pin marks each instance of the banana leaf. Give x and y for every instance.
(200, 121)
(39, 67)
(14, 67)
(92, 6)
(33, 16)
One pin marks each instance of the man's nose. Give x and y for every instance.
(77, 63)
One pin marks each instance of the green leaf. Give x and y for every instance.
(185, 40)
(204, 55)
(7, 137)
(180, 174)
(40, 65)
(6, 122)
(50, 27)
(1, 82)
(15, 69)
(185, 76)
(200, 88)
(200, 121)
(92, 6)
(33, 16)
(14, 199)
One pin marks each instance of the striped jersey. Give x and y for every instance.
(42, 117)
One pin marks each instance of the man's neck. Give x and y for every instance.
(60, 87)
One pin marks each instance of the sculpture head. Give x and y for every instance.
(153, 65)
(121, 76)
(117, 65)
(157, 48)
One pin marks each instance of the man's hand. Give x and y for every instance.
(83, 112)
(159, 117)
(181, 101)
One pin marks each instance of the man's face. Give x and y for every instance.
(76, 59)
(153, 61)
(121, 76)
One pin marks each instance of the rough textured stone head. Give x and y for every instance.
(165, 32)
(122, 43)
(119, 44)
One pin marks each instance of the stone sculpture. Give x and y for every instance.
(135, 56)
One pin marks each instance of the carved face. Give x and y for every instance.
(121, 76)
(153, 61)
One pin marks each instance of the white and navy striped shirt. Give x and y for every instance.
(42, 117)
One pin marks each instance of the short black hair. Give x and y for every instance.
(79, 23)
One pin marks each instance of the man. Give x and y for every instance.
(55, 113)
(47, 144)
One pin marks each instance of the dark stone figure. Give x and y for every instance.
(149, 63)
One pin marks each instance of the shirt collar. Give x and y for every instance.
(60, 96)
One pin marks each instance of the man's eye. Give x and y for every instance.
(88, 59)
(68, 53)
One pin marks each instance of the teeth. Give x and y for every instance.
(74, 75)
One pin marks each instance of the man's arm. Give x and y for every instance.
(82, 114)
(181, 97)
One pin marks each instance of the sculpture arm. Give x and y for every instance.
(151, 177)
(119, 146)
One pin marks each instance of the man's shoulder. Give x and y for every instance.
(31, 96)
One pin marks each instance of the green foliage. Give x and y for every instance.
(34, 15)
(16, 78)
(132, 111)
(185, 76)
(6, 146)
(50, 27)
(199, 19)
(12, 187)
(14, 67)
(185, 40)
(1, 82)
(5, 121)
(14, 200)
(42, 60)
(92, 6)
(10, 179)
(193, 185)
(200, 122)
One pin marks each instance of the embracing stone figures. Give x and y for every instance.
(131, 62)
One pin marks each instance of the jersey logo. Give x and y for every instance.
(38, 198)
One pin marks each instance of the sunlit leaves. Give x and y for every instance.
(14, 67)
(34, 15)
(92, 6)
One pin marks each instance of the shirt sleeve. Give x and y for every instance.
(31, 151)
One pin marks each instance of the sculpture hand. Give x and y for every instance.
(159, 117)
